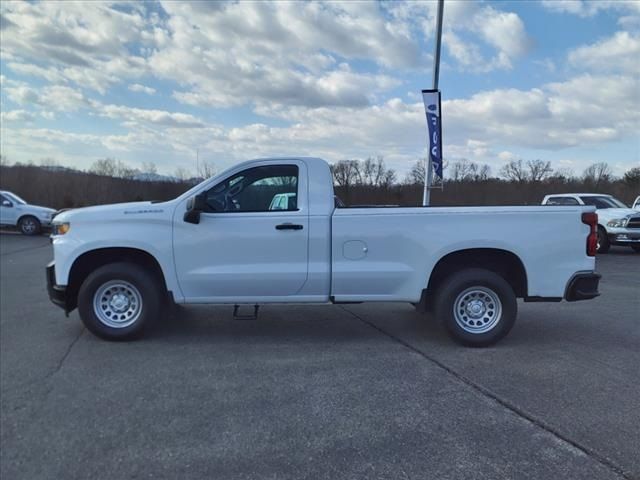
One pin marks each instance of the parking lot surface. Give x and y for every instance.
(354, 391)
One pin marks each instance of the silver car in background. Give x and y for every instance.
(16, 212)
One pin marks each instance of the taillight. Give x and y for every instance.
(591, 219)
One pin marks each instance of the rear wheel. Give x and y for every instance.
(603, 244)
(477, 307)
(29, 225)
(119, 300)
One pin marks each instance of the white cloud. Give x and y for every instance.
(56, 97)
(86, 43)
(155, 117)
(504, 31)
(620, 52)
(51, 74)
(589, 8)
(583, 110)
(17, 116)
(136, 87)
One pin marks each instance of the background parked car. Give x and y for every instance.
(617, 223)
(16, 212)
(636, 203)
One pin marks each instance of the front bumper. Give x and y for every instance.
(624, 236)
(582, 286)
(57, 293)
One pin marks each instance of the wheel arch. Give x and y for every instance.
(93, 259)
(502, 262)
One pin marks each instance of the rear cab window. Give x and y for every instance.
(562, 201)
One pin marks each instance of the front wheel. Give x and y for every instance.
(119, 300)
(477, 307)
(29, 225)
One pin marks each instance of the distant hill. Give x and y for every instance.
(155, 177)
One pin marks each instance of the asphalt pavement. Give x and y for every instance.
(356, 391)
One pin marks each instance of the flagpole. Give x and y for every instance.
(428, 171)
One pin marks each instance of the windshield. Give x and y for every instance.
(14, 198)
(603, 202)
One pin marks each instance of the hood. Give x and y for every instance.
(115, 210)
(611, 213)
(36, 209)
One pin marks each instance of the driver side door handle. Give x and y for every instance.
(288, 226)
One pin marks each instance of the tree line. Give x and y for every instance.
(357, 182)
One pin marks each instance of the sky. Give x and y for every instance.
(166, 82)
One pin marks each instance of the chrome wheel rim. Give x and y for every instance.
(117, 304)
(477, 309)
(28, 226)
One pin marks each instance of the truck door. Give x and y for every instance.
(242, 249)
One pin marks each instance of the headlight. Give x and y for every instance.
(60, 228)
(617, 222)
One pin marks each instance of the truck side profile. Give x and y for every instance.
(222, 242)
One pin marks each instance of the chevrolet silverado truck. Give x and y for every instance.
(221, 243)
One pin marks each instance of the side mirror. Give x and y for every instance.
(195, 205)
(7, 203)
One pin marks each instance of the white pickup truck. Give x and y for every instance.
(221, 243)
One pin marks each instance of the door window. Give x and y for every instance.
(254, 189)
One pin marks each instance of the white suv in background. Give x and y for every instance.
(617, 223)
(16, 212)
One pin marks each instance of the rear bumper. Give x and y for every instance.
(582, 286)
(57, 293)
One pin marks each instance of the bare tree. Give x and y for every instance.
(514, 171)
(105, 166)
(182, 174)
(125, 171)
(484, 173)
(206, 169)
(632, 177)
(597, 174)
(539, 170)
(110, 167)
(463, 170)
(374, 173)
(416, 174)
(149, 167)
(49, 162)
(346, 173)
(387, 179)
(562, 175)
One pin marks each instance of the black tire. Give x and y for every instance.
(145, 286)
(603, 241)
(29, 225)
(488, 283)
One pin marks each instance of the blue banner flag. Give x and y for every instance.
(431, 100)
